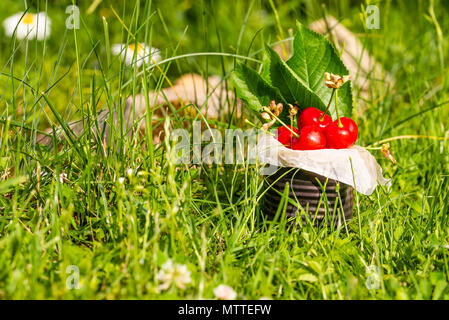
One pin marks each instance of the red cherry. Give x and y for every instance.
(311, 116)
(310, 138)
(341, 137)
(284, 135)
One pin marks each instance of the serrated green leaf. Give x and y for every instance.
(313, 55)
(299, 80)
(253, 89)
(292, 87)
(266, 68)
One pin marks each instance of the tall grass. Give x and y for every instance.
(116, 207)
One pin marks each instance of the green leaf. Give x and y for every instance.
(253, 89)
(292, 87)
(299, 80)
(266, 67)
(313, 55)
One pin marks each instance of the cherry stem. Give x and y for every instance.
(291, 126)
(253, 125)
(340, 125)
(271, 114)
(328, 105)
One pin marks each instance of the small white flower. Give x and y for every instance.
(177, 274)
(121, 180)
(129, 172)
(62, 177)
(224, 292)
(143, 53)
(30, 26)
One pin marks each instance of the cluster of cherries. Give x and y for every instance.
(316, 130)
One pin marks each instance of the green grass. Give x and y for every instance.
(209, 217)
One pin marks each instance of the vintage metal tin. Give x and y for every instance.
(306, 195)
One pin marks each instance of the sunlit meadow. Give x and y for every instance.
(95, 216)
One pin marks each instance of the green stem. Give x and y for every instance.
(253, 125)
(291, 126)
(328, 105)
(277, 119)
(336, 109)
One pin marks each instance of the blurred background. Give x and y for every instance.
(407, 38)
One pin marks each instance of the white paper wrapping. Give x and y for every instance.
(364, 174)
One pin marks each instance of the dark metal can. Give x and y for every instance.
(305, 195)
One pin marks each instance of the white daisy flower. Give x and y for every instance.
(177, 274)
(28, 25)
(143, 53)
(224, 292)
